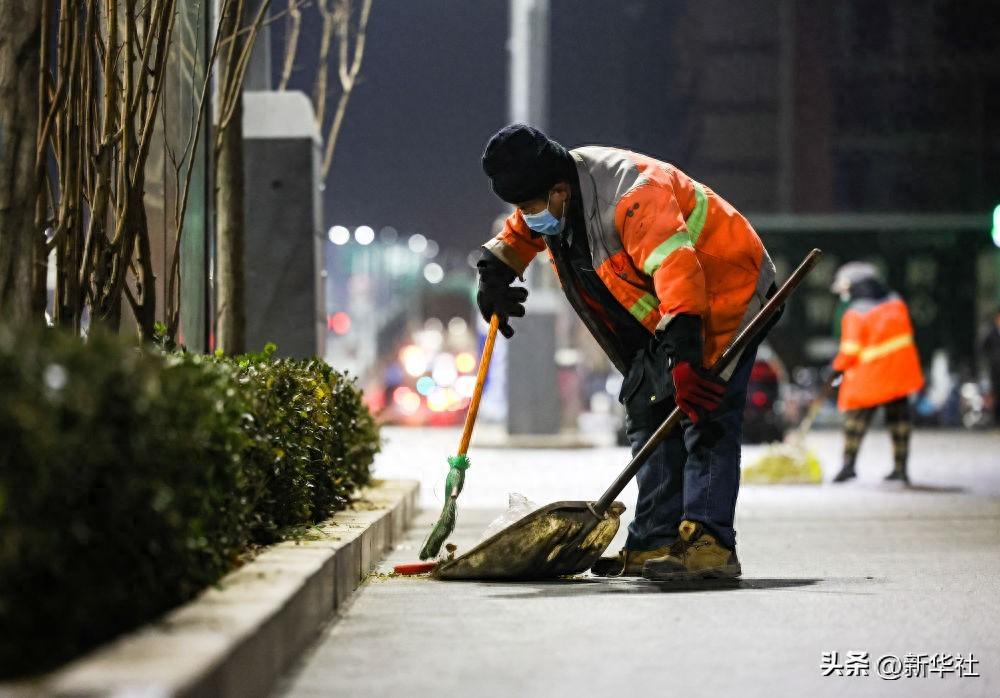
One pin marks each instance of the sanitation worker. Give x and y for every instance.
(879, 362)
(663, 272)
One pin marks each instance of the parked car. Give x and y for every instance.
(763, 420)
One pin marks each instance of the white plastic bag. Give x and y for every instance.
(518, 506)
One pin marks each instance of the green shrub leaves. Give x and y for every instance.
(130, 480)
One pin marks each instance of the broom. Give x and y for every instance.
(458, 464)
(792, 461)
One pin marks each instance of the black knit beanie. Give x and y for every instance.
(523, 163)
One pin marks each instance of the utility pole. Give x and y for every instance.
(533, 401)
(528, 47)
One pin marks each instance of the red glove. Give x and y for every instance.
(695, 392)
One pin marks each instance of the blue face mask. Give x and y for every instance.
(544, 222)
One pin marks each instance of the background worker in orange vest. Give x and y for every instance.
(879, 362)
(663, 272)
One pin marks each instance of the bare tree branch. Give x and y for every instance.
(232, 84)
(101, 85)
(180, 209)
(348, 76)
(269, 20)
(323, 63)
(291, 43)
(100, 103)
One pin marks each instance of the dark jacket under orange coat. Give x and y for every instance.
(877, 354)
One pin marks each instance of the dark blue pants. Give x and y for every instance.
(695, 473)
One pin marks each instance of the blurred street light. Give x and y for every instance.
(434, 273)
(340, 323)
(414, 360)
(443, 371)
(388, 234)
(996, 225)
(465, 386)
(457, 326)
(417, 243)
(339, 235)
(465, 362)
(425, 384)
(407, 400)
(432, 250)
(364, 234)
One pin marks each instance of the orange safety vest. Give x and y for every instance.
(662, 243)
(877, 354)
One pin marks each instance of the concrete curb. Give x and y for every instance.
(237, 638)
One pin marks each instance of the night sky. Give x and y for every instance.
(661, 77)
(433, 90)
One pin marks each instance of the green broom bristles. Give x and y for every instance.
(446, 522)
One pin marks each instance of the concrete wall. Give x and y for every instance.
(284, 250)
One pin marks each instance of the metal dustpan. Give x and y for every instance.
(567, 538)
(558, 540)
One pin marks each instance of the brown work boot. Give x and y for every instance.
(698, 555)
(627, 563)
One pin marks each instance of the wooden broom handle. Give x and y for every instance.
(477, 393)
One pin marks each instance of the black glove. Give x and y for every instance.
(829, 376)
(681, 340)
(496, 295)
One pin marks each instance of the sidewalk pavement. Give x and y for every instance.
(862, 568)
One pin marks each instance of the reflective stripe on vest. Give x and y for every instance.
(849, 347)
(887, 347)
(644, 306)
(682, 238)
(696, 221)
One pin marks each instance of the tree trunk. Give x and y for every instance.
(230, 239)
(20, 26)
(229, 196)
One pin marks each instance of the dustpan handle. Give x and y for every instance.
(733, 350)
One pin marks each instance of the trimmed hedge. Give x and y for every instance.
(130, 479)
(312, 441)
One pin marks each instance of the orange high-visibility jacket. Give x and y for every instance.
(877, 354)
(662, 243)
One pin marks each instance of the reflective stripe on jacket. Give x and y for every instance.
(877, 354)
(662, 243)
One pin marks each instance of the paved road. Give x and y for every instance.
(861, 568)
